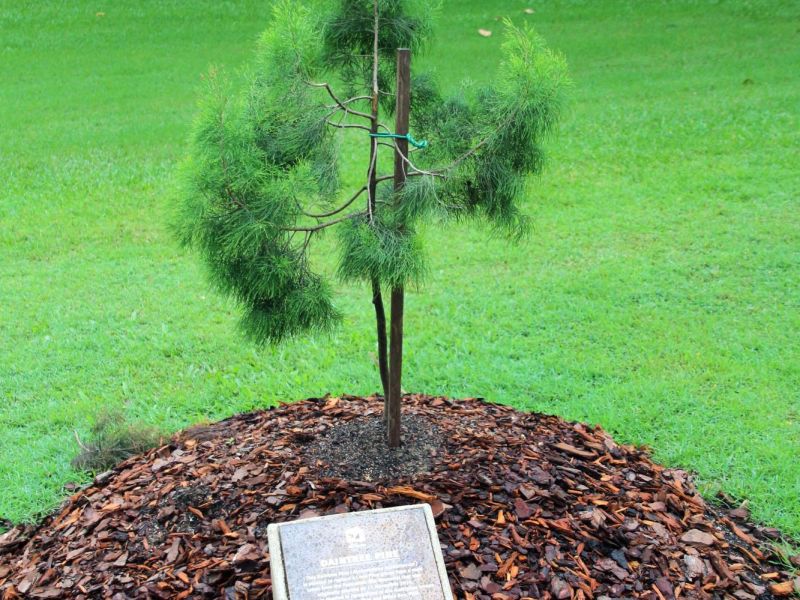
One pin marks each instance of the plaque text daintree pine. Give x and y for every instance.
(262, 181)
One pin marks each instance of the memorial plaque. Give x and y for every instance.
(385, 554)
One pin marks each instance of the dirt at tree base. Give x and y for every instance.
(526, 505)
(356, 449)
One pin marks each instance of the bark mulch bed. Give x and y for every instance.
(527, 506)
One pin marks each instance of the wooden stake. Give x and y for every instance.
(403, 108)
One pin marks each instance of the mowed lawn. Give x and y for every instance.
(658, 295)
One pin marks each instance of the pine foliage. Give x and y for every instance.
(381, 250)
(256, 158)
(261, 178)
(349, 40)
(494, 137)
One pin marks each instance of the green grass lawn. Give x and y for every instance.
(658, 295)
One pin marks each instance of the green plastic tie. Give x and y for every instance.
(399, 136)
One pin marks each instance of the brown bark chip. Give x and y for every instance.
(526, 505)
(694, 536)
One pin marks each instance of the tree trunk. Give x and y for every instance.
(383, 353)
(377, 297)
(403, 109)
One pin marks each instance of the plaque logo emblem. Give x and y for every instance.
(355, 538)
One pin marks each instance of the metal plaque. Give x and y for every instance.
(384, 554)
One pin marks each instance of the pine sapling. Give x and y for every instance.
(262, 180)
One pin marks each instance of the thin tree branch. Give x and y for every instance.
(336, 99)
(324, 225)
(348, 126)
(349, 101)
(415, 168)
(336, 211)
(412, 174)
(341, 125)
